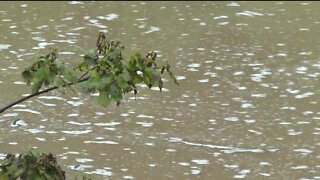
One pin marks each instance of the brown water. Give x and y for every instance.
(247, 106)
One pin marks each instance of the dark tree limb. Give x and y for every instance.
(81, 79)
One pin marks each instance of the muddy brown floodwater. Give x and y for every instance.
(247, 106)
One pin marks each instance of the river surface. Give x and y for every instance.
(247, 105)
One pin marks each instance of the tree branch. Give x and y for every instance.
(81, 79)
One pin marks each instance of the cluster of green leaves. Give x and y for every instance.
(112, 76)
(31, 165)
(104, 71)
(47, 70)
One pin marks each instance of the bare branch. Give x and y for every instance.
(82, 79)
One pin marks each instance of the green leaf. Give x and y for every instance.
(136, 78)
(36, 86)
(104, 82)
(18, 172)
(103, 98)
(126, 75)
(60, 83)
(58, 64)
(116, 93)
(95, 74)
(84, 66)
(34, 153)
(148, 75)
(121, 82)
(149, 62)
(51, 77)
(27, 76)
(43, 72)
(92, 55)
(69, 74)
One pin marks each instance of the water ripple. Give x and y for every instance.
(79, 123)
(100, 142)
(225, 149)
(28, 110)
(109, 17)
(249, 13)
(4, 46)
(101, 172)
(87, 131)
